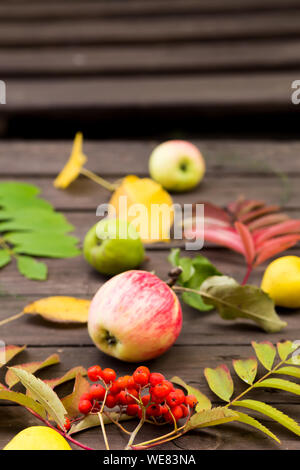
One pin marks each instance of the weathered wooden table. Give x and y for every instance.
(252, 168)
(132, 68)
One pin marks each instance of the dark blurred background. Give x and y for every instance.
(149, 68)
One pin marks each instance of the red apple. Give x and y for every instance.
(134, 316)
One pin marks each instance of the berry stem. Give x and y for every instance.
(116, 423)
(137, 429)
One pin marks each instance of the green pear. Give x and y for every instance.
(113, 246)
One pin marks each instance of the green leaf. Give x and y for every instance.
(173, 257)
(5, 258)
(246, 369)
(195, 300)
(220, 381)
(44, 244)
(91, 421)
(280, 384)
(246, 419)
(31, 268)
(203, 402)
(22, 190)
(13, 203)
(23, 400)
(38, 220)
(271, 412)
(212, 417)
(235, 301)
(265, 352)
(288, 370)
(43, 394)
(32, 367)
(186, 264)
(285, 349)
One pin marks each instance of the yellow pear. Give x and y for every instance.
(281, 281)
(38, 438)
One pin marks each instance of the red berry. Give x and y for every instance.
(176, 397)
(111, 401)
(191, 401)
(86, 396)
(177, 412)
(108, 375)
(121, 398)
(164, 409)
(84, 406)
(97, 392)
(162, 389)
(115, 388)
(156, 378)
(130, 399)
(153, 410)
(67, 425)
(140, 413)
(141, 376)
(185, 411)
(145, 399)
(132, 410)
(94, 373)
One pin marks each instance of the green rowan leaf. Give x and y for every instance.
(14, 188)
(5, 258)
(44, 244)
(280, 384)
(31, 268)
(23, 400)
(39, 220)
(246, 419)
(91, 421)
(203, 402)
(246, 369)
(219, 381)
(11, 379)
(271, 412)
(288, 370)
(265, 352)
(285, 349)
(212, 417)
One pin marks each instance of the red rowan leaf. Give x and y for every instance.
(247, 241)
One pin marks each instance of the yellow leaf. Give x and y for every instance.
(60, 309)
(145, 204)
(72, 168)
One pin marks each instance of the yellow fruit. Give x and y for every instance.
(282, 281)
(38, 438)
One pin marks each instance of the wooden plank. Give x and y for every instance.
(142, 96)
(75, 277)
(54, 10)
(226, 157)
(84, 194)
(154, 59)
(185, 28)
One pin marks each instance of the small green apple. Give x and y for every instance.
(113, 246)
(177, 165)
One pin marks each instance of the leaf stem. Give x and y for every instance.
(97, 179)
(14, 317)
(248, 272)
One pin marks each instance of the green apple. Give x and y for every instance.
(177, 165)
(113, 246)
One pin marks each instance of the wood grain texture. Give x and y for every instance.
(269, 24)
(153, 59)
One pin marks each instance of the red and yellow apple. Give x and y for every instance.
(177, 165)
(134, 316)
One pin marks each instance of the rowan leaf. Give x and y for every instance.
(280, 384)
(212, 417)
(71, 401)
(271, 412)
(247, 241)
(285, 348)
(11, 379)
(265, 352)
(60, 309)
(23, 400)
(5, 258)
(44, 394)
(37, 219)
(10, 352)
(246, 419)
(288, 370)
(235, 301)
(203, 402)
(31, 268)
(70, 375)
(246, 369)
(220, 381)
(14, 188)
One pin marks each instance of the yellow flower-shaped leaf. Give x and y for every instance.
(72, 168)
(145, 204)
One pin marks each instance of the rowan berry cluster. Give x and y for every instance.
(143, 394)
